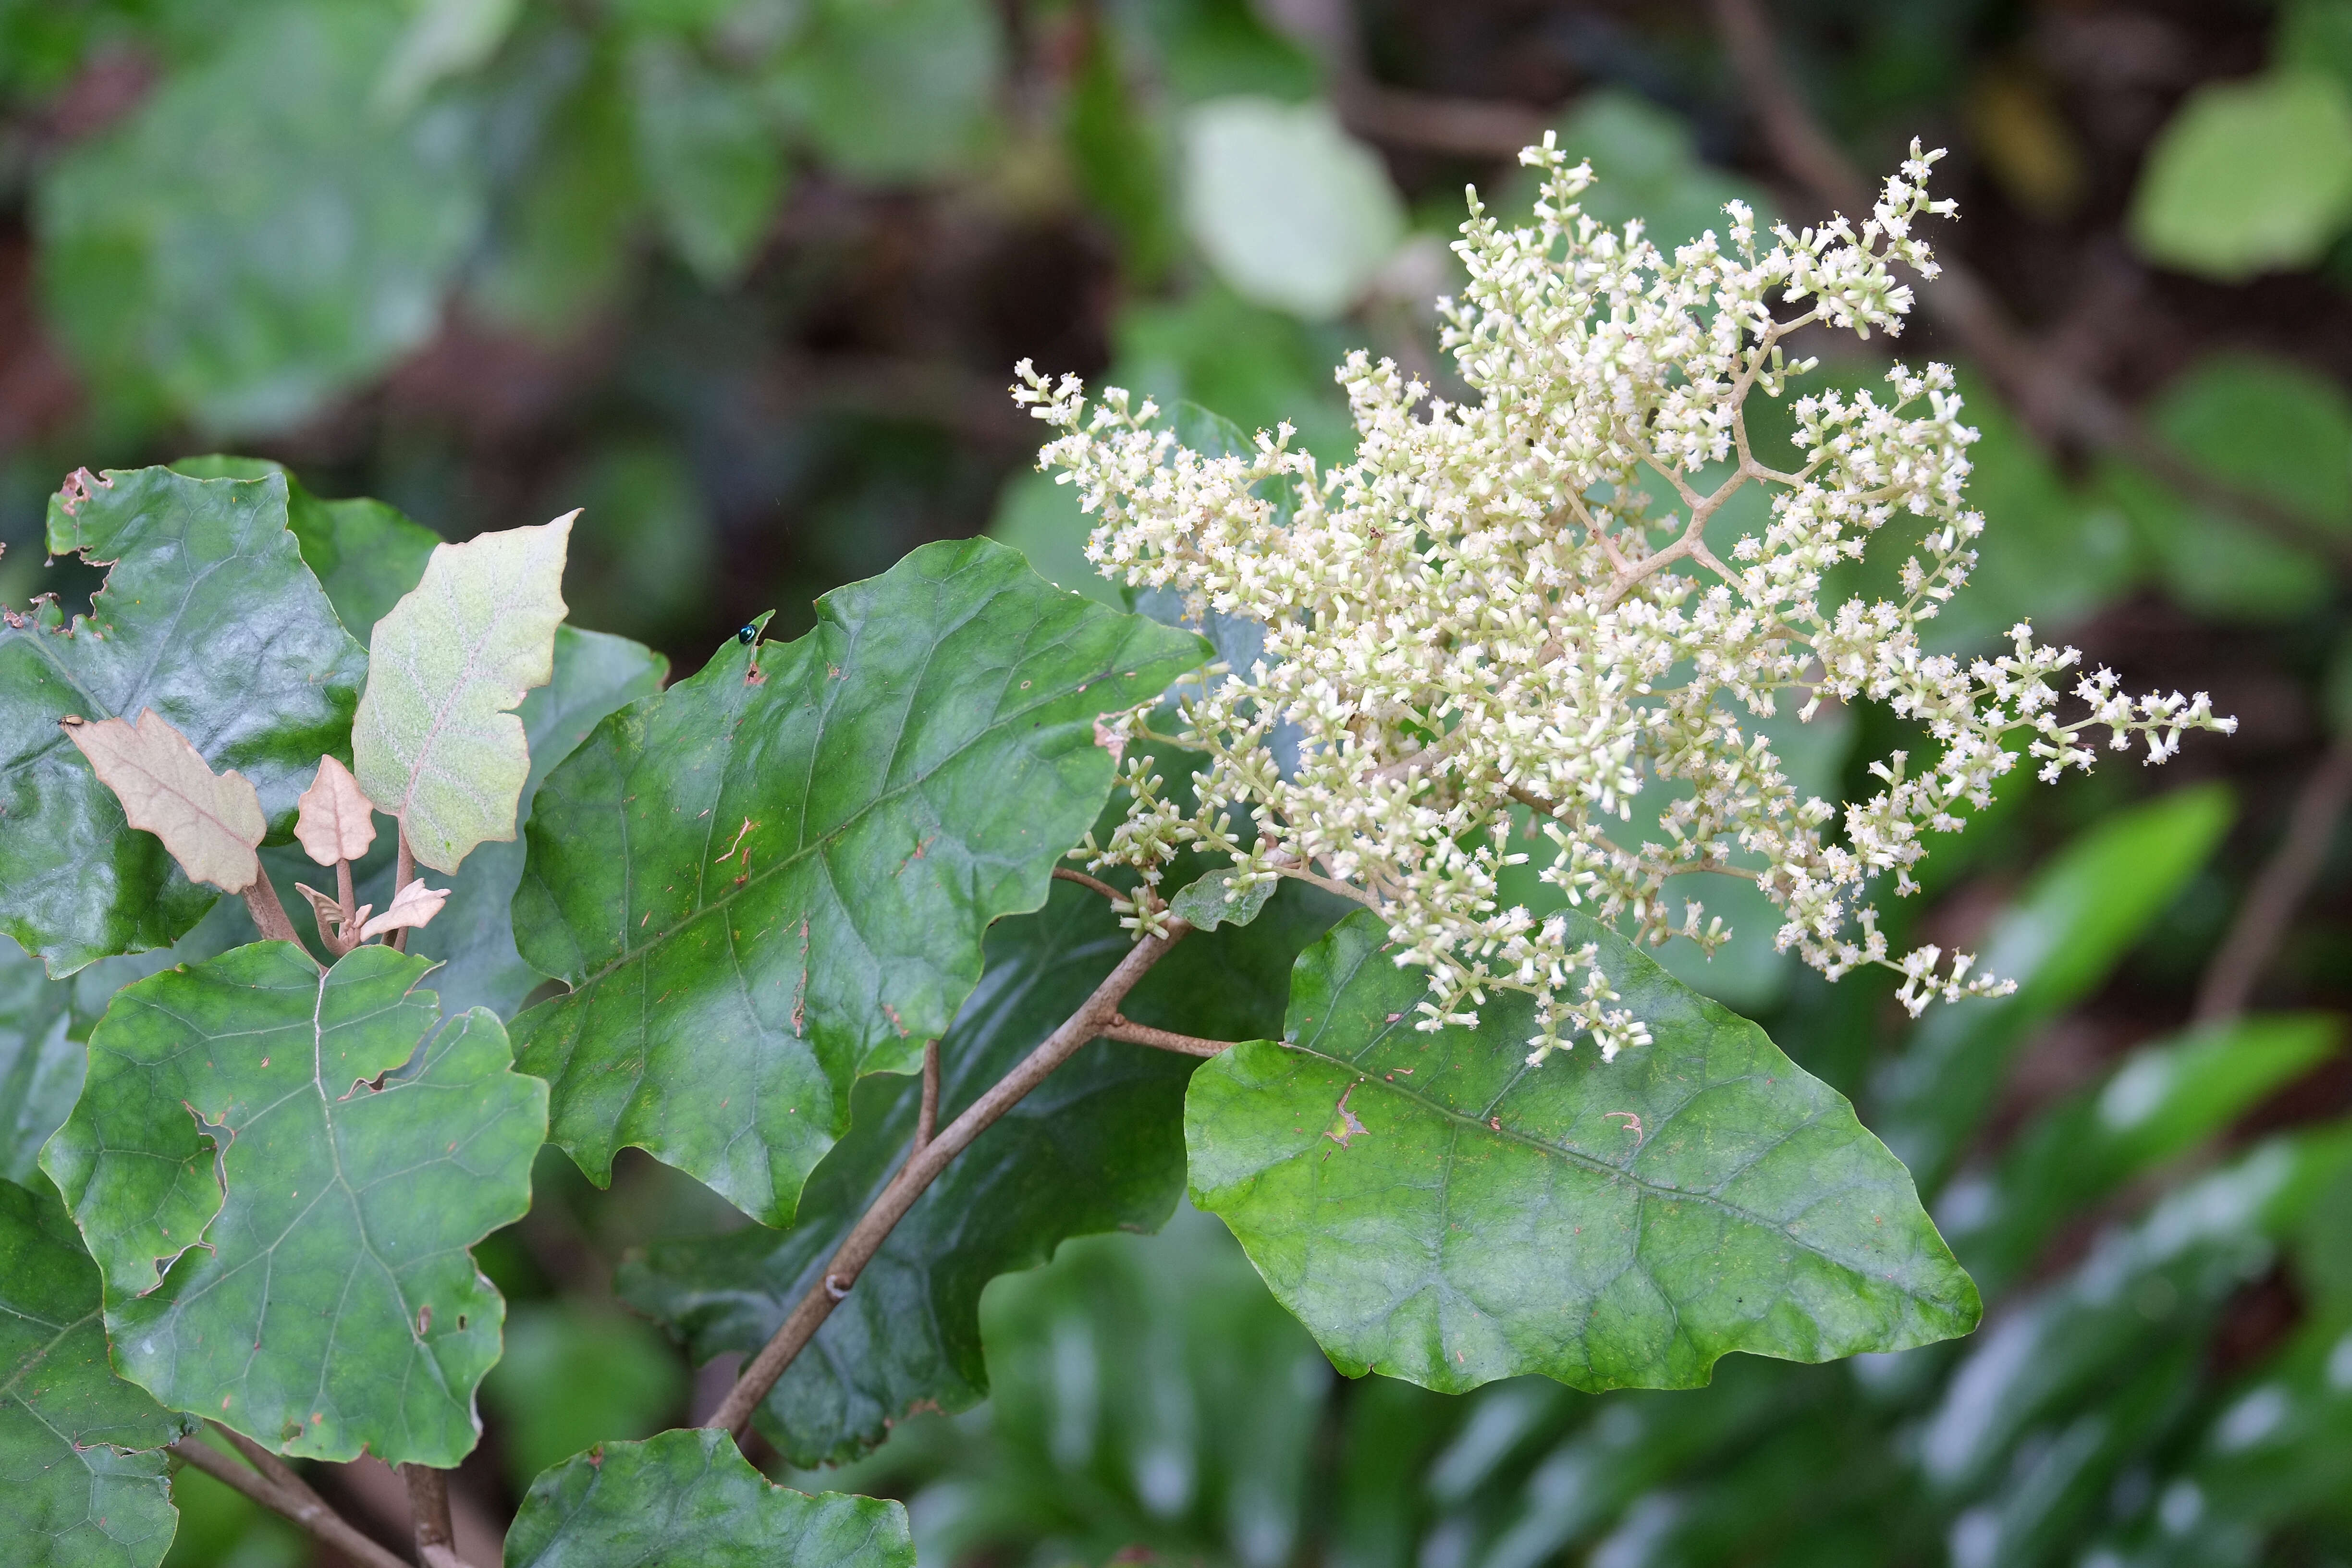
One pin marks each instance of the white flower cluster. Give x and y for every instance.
(1510, 611)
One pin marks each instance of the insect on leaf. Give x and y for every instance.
(337, 820)
(210, 822)
(437, 740)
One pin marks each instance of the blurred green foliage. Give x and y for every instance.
(745, 277)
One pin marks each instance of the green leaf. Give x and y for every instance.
(1435, 1208)
(892, 90)
(40, 1059)
(1291, 211)
(364, 553)
(1099, 1146)
(253, 240)
(774, 877)
(2075, 921)
(85, 1488)
(210, 618)
(436, 741)
(707, 157)
(2273, 427)
(304, 1159)
(1211, 902)
(688, 1496)
(2248, 176)
(474, 936)
(573, 1375)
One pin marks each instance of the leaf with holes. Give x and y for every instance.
(1098, 1146)
(210, 618)
(85, 1486)
(436, 741)
(774, 877)
(303, 1158)
(689, 1496)
(1435, 1208)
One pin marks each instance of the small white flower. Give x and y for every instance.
(1512, 606)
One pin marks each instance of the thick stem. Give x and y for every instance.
(345, 894)
(760, 1373)
(428, 1509)
(926, 1120)
(404, 871)
(268, 914)
(1118, 1028)
(306, 1508)
(2280, 886)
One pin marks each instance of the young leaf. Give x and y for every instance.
(210, 618)
(414, 905)
(774, 877)
(1211, 902)
(474, 937)
(436, 739)
(328, 912)
(1435, 1208)
(689, 1497)
(85, 1488)
(273, 1142)
(337, 820)
(211, 822)
(1098, 1146)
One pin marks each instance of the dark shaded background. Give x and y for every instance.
(746, 278)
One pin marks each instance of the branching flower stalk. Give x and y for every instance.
(1532, 608)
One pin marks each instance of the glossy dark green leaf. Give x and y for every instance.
(1098, 1146)
(40, 1059)
(1210, 902)
(688, 1500)
(364, 553)
(80, 1483)
(2163, 1102)
(210, 618)
(1435, 1208)
(2074, 921)
(304, 1159)
(256, 235)
(774, 877)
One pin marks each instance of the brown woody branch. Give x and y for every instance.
(2279, 888)
(1063, 874)
(280, 1490)
(428, 1507)
(923, 1168)
(1120, 1028)
(2056, 401)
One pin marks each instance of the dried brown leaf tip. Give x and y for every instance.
(414, 905)
(338, 820)
(210, 822)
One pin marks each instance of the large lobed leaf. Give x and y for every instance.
(436, 741)
(1098, 1146)
(84, 1487)
(1436, 1209)
(774, 877)
(689, 1497)
(210, 618)
(304, 1160)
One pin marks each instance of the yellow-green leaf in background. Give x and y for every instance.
(436, 739)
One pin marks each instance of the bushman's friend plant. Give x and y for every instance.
(822, 937)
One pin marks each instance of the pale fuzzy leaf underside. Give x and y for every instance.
(211, 823)
(337, 820)
(436, 740)
(414, 905)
